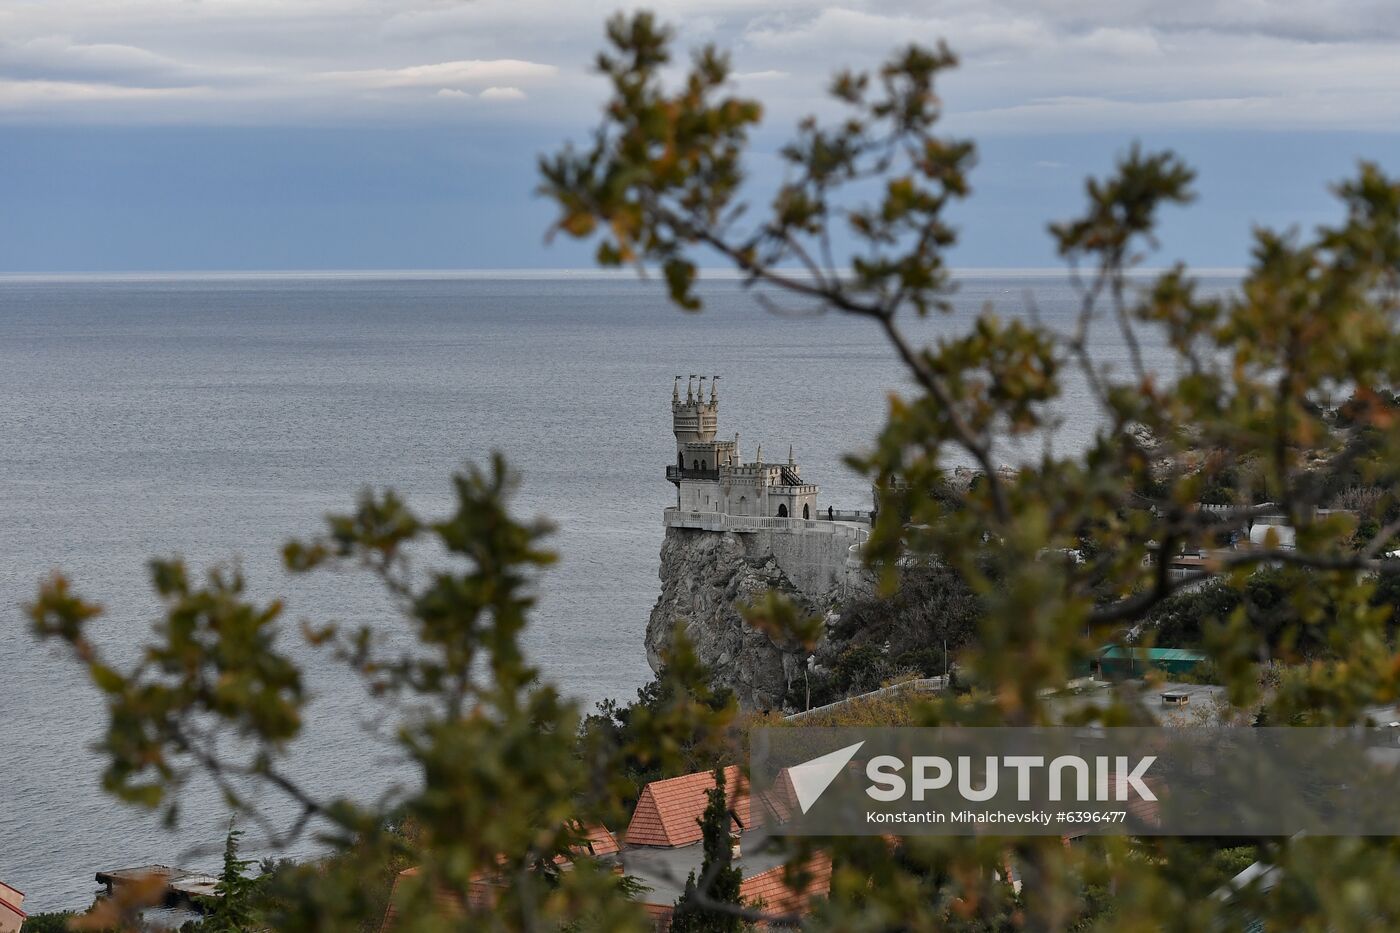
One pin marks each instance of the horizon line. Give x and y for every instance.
(526, 273)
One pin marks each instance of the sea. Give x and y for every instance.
(213, 417)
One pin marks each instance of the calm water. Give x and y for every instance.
(215, 417)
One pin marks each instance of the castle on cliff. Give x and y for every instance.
(711, 476)
(735, 532)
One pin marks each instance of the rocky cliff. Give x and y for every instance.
(706, 577)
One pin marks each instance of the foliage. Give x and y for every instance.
(230, 910)
(889, 636)
(1189, 619)
(1063, 554)
(895, 707)
(48, 923)
(701, 906)
(623, 734)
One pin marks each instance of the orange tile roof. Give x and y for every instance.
(668, 812)
(447, 903)
(769, 890)
(660, 915)
(483, 889)
(597, 841)
(778, 803)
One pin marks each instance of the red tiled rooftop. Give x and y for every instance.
(667, 817)
(668, 812)
(597, 841)
(484, 887)
(770, 891)
(447, 903)
(778, 803)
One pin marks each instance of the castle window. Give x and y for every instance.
(680, 461)
(695, 464)
(806, 511)
(782, 510)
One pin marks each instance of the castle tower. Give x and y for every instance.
(700, 458)
(694, 420)
(711, 477)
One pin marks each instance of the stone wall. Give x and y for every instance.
(817, 555)
(714, 564)
(819, 560)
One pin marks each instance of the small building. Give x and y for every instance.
(11, 912)
(662, 846)
(1118, 663)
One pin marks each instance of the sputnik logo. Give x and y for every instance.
(811, 778)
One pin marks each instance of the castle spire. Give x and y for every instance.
(714, 384)
(700, 395)
(760, 454)
(676, 390)
(690, 389)
(790, 460)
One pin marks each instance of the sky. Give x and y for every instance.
(169, 135)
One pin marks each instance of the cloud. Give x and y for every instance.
(1105, 113)
(502, 93)
(772, 74)
(61, 58)
(841, 31)
(1118, 43)
(1025, 64)
(444, 73)
(19, 95)
(1313, 21)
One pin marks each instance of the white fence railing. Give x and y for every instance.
(921, 685)
(720, 521)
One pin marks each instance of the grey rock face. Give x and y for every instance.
(705, 578)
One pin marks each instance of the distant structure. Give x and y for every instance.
(768, 508)
(710, 475)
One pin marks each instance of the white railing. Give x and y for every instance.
(720, 521)
(921, 685)
(845, 515)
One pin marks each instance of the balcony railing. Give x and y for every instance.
(721, 521)
(675, 474)
(845, 515)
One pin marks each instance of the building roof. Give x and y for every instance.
(662, 849)
(770, 890)
(10, 900)
(668, 812)
(1153, 654)
(662, 872)
(597, 841)
(447, 903)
